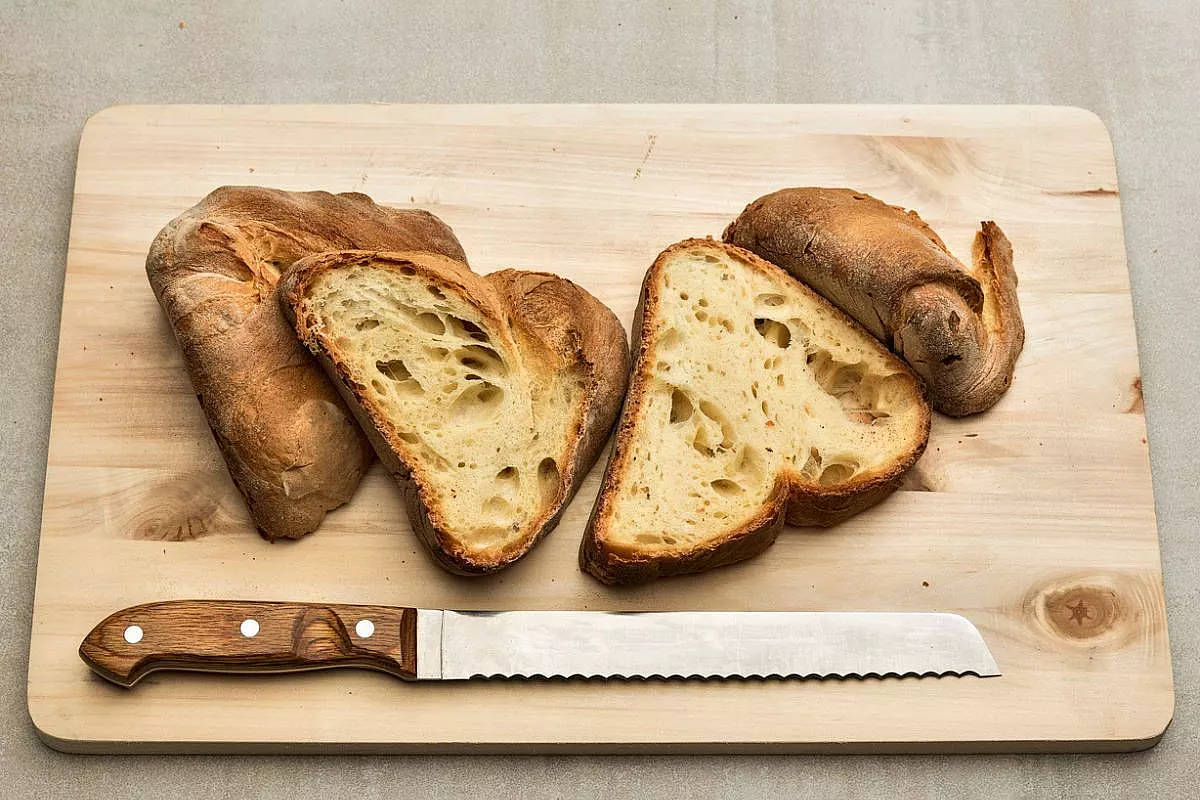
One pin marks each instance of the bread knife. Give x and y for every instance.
(421, 644)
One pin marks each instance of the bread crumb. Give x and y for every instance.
(182, 24)
(925, 584)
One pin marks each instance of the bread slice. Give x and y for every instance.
(752, 400)
(488, 398)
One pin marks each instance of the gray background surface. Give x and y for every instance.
(1134, 63)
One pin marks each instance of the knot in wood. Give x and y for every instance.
(1081, 612)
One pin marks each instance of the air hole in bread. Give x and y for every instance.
(701, 316)
(508, 474)
(702, 441)
(749, 463)
(703, 301)
(498, 508)
(465, 329)
(668, 338)
(681, 407)
(812, 466)
(800, 330)
(771, 300)
(478, 399)
(726, 487)
(408, 436)
(859, 393)
(718, 416)
(430, 323)
(548, 478)
(366, 324)
(394, 369)
(773, 331)
(837, 473)
(437, 352)
(481, 358)
(407, 271)
(379, 387)
(436, 292)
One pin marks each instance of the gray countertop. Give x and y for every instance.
(1134, 63)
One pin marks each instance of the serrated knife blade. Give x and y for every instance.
(425, 644)
(704, 644)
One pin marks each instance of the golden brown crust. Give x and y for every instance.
(551, 315)
(795, 498)
(291, 448)
(885, 267)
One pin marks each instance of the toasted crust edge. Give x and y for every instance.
(793, 499)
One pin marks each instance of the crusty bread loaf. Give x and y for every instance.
(289, 443)
(489, 398)
(752, 399)
(886, 267)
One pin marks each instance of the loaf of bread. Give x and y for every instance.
(752, 401)
(290, 445)
(960, 330)
(488, 398)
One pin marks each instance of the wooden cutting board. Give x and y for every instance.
(1035, 520)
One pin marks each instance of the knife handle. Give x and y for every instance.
(251, 636)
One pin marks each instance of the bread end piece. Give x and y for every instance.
(960, 329)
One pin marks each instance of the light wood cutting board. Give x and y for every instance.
(1035, 520)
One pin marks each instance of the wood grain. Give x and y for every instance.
(1035, 520)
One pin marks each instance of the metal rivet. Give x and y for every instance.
(365, 628)
(133, 634)
(249, 628)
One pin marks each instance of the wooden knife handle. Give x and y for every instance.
(251, 636)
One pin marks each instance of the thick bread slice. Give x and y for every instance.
(488, 398)
(752, 399)
(289, 443)
(960, 330)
